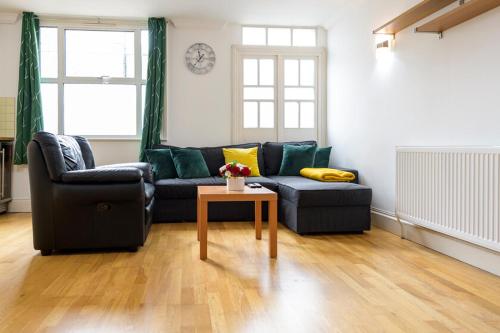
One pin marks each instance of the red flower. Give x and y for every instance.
(245, 171)
(234, 170)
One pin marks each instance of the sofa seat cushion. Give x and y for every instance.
(305, 192)
(187, 188)
(149, 192)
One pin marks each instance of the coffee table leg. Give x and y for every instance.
(258, 219)
(273, 229)
(203, 229)
(198, 215)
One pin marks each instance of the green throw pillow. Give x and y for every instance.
(189, 163)
(161, 163)
(296, 158)
(322, 157)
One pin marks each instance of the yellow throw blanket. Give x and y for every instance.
(327, 174)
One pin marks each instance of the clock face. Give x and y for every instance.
(200, 58)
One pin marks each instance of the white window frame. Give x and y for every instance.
(239, 52)
(267, 27)
(62, 79)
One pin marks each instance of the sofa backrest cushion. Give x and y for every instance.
(214, 156)
(61, 154)
(88, 155)
(72, 154)
(273, 155)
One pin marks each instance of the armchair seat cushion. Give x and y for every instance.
(303, 192)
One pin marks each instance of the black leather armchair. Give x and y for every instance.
(78, 206)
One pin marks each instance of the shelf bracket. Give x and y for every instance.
(438, 33)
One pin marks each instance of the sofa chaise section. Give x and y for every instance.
(309, 206)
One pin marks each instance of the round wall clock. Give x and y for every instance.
(200, 58)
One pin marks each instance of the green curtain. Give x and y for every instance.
(155, 85)
(29, 118)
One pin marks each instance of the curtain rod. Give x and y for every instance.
(95, 21)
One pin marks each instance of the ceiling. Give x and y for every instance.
(275, 12)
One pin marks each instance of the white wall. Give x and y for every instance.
(198, 107)
(428, 92)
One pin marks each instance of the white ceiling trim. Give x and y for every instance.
(8, 18)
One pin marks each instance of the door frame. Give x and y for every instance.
(239, 52)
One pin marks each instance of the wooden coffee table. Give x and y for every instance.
(208, 194)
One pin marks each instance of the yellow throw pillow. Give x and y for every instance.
(247, 156)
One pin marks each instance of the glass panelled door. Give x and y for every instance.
(299, 116)
(280, 99)
(259, 99)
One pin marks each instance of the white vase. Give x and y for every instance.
(235, 183)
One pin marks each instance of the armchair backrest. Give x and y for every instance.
(62, 153)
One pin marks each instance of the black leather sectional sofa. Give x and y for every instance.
(305, 205)
(76, 205)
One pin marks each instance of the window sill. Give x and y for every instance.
(117, 139)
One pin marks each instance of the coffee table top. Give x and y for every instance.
(220, 193)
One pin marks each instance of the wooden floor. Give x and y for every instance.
(374, 282)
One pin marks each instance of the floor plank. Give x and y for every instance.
(373, 282)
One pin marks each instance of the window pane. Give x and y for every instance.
(254, 36)
(291, 72)
(291, 115)
(144, 53)
(279, 36)
(250, 72)
(307, 72)
(143, 88)
(99, 109)
(49, 107)
(258, 93)
(266, 71)
(250, 116)
(267, 114)
(304, 37)
(48, 50)
(307, 115)
(299, 93)
(99, 53)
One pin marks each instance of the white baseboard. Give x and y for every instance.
(469, 253)
(20, 206)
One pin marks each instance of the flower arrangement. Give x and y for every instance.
(234, 169)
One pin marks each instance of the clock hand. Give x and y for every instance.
(199, 59)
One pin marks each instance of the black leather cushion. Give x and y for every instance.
(72, 154)
(187, 188)
(149, 191)
(104, 175)
(147, 172)
(87, 153)
(305, 192)
(52, 155)
(214, 157)
(273, 154)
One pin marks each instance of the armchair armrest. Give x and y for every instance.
(144, 167)
(355, 172)
(99, 176)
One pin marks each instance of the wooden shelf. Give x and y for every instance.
(412, 15)
(458, 15)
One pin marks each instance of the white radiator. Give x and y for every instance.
(455, 191)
